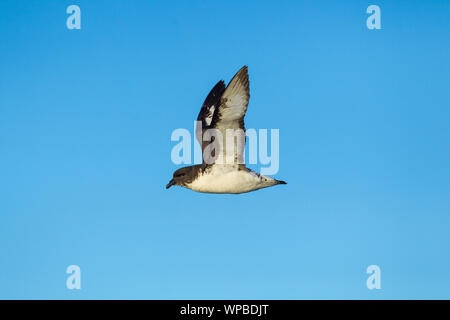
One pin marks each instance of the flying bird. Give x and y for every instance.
(224, 108)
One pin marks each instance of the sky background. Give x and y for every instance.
(85, 123)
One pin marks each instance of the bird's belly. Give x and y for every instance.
(226, 182)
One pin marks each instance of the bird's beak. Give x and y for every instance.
(171, 183)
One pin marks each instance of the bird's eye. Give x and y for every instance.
(180, 175)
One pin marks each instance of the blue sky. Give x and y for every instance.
(85, 123)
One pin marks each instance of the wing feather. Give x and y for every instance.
(231, 112)
(206, 113)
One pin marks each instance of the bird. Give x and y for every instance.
(223, 109)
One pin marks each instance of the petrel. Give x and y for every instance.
(224, 109)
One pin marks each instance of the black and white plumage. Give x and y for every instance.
(224, 108)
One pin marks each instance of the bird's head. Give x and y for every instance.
(180, 177)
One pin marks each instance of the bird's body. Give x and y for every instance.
(222, 178)
(223, 109)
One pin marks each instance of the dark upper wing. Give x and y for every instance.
(232, 108)
(206, 113)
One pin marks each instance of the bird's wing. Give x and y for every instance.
(230, 115)
(206, 113)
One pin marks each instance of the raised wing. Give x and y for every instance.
(230, 115)
(206, 113)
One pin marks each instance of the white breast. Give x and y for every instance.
(228, 179)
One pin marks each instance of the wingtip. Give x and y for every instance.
(243, 69)
(241, 75)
